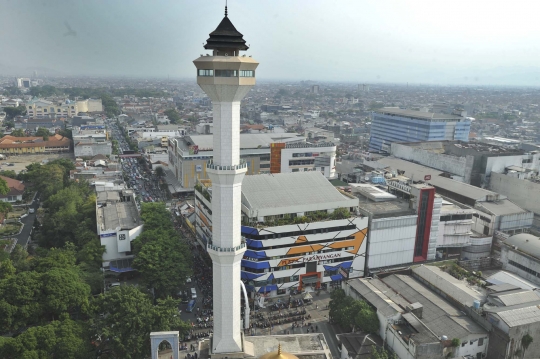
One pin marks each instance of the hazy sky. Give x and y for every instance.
(431, 41)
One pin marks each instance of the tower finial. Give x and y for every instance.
(279, 349)
(225, 8)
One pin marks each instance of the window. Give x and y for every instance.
(226, 73)
(281, 291)
(247, 73)
(206, 73)
(523, 268)
(480, 342)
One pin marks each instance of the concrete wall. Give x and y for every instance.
(460, 166)
(533, 329)
(391, 241)
(508, 254)
(518, 191)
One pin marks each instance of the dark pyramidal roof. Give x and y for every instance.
(225, 36)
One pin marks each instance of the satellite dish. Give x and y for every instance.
(366, 178)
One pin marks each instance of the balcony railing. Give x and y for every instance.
(225, 249)
(210, 165)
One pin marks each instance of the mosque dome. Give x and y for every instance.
(279, 354)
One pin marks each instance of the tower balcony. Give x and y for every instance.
(210, 165)
(212, 247)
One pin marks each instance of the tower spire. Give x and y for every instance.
(225, 8)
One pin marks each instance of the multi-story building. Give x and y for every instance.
(26, 145)
(118, 223)
(392, 124)
(188, 155)
(37, 108)
(472, 162)
(417, 323)
(494, 211)
(392, 226)
(299, 231)
(303, 156)
(91, 142)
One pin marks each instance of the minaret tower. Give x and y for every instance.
(226, 77)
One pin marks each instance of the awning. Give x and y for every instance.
(308, 296)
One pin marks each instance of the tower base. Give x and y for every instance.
(205, 350)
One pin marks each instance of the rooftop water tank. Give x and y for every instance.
(476, 304)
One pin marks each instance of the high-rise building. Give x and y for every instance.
(392, 124)
(226, 77)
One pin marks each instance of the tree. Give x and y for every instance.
(59, 339)
(43, 132)
(8, 173)
(127, 320)
(173, 115)
(160, 172)
(164, 264)
(63, 290)
(381, 353)
(12, 112)
(18, 133)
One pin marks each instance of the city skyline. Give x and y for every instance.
(458, 43)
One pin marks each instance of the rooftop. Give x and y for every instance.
(282, 193)
(225, 36)
(247, 140)
(458, 290)
(520, 314)
(418, 172)
(501, 208)
(438, 315)
(418, 114)
(304, 346)
(372, 192)
(394, 208)
(515, 297)
(526, 243)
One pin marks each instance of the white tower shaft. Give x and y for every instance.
(226, 172)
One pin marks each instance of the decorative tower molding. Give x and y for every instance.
(226, 77)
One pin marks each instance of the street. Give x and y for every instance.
(28, 221)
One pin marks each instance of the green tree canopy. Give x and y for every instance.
(8, 173)
(173, 115)
(128, 318)
(164, 264)
(12, 112)
(18, 133)
(43, 132)
(59, 339)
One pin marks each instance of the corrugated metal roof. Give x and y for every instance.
(521, 316)
(449, 285)
(520, 297)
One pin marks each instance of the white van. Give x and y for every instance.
(193, 293)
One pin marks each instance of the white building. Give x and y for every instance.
(89, 141)
(520, 254)
(392, 227)
(118, 223)
(303, 156)
(188, 155)
(293, 235)
(415, 322)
